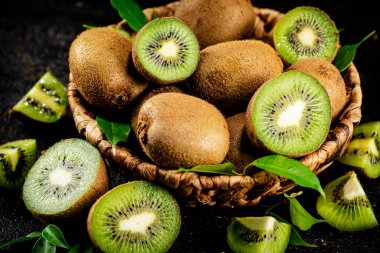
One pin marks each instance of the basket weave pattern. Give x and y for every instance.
(224, 190)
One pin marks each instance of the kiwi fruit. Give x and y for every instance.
(229, 73)
(331, 79)
(45, 102)
(138, 216)
(100, 61)
(363, 151)
(305, 32)
(289, 115)
(346, 207)
(216, 21)
(16, 159)
(258, 234)
(178, 130)
(65, 181)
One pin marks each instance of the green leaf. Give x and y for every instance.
(54, 236)
(223, 169)
(126, 34)
(346, 54)
(30, 237)
(291, 169)
(90, 249)
(43, 246)
(114, 131)
(89, 26)
(75, 249)
(131, 12)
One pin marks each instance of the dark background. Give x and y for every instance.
(35, 37)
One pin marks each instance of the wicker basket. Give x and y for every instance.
(224, 190)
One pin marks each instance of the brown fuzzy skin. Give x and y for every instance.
(101, 65)
(216, 21)
(229, 73)
(177, 130)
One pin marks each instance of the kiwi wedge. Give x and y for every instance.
(138, 216)
(65, 181)
(165, 51)
(363, 151)
(16, 159)
(258, 234)
(45, 102)
(347, 207)
(289, 115)
(306, 32)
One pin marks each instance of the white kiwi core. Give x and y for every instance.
(292, 115)
(137, 223)
(265, 223)
(353, 189)
(168, 49)
(307, 37)
(60, 177)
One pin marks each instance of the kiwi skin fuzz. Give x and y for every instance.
(229, 73)
(330, 78)
(100, 62)
(216, 21)
(178, 130)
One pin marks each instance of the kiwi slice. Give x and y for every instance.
(306, 32)
(16, 159)
(289, 115)
(363, 151)
(347, 206)
(65, 180)
(45, 102)
(258, 234)
(138, 216)
(165, 51)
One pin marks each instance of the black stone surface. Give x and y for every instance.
(35, 37)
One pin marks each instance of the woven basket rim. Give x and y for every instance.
(239, 190)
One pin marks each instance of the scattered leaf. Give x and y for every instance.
(114, 131)
(43, 246)
(76, 249)
(30, 237)
(131, 12)
(223, 169)
(54, 236)
(125, 33)
(89, 26)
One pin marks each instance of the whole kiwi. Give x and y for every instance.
(229, 73)
(329, 76)
(101, 65)
(215, 21)
(179, 130)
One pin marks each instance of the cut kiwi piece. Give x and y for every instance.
(16, 159)
(258, 234)
(138, 216)
(305, 32)
(165, 51)
(45, 102)
(289, 115)
(66, 180)
(363, 151)
(347, 206)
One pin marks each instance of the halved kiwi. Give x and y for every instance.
(306, 32)
(65, 181)
(347, 206)
(45, 102)
(165, 51)
(363, 151)
(16, 159)
(138, 216)
(258, 234)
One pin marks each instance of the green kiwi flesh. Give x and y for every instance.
(347, 206)
(165, 51)
(16, 159)
(363, 151)
(258, 234)
(46, 101)
(289, 115)
(138, 216)
(65, 180)
(306, 32)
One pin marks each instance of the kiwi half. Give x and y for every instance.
(16, 159)
(289, 115)
(306, 32)
(46, 101)
(363, 151)
(138, 216)
(65, 181)
(165, 51)
(258, 234)
(347, 206)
